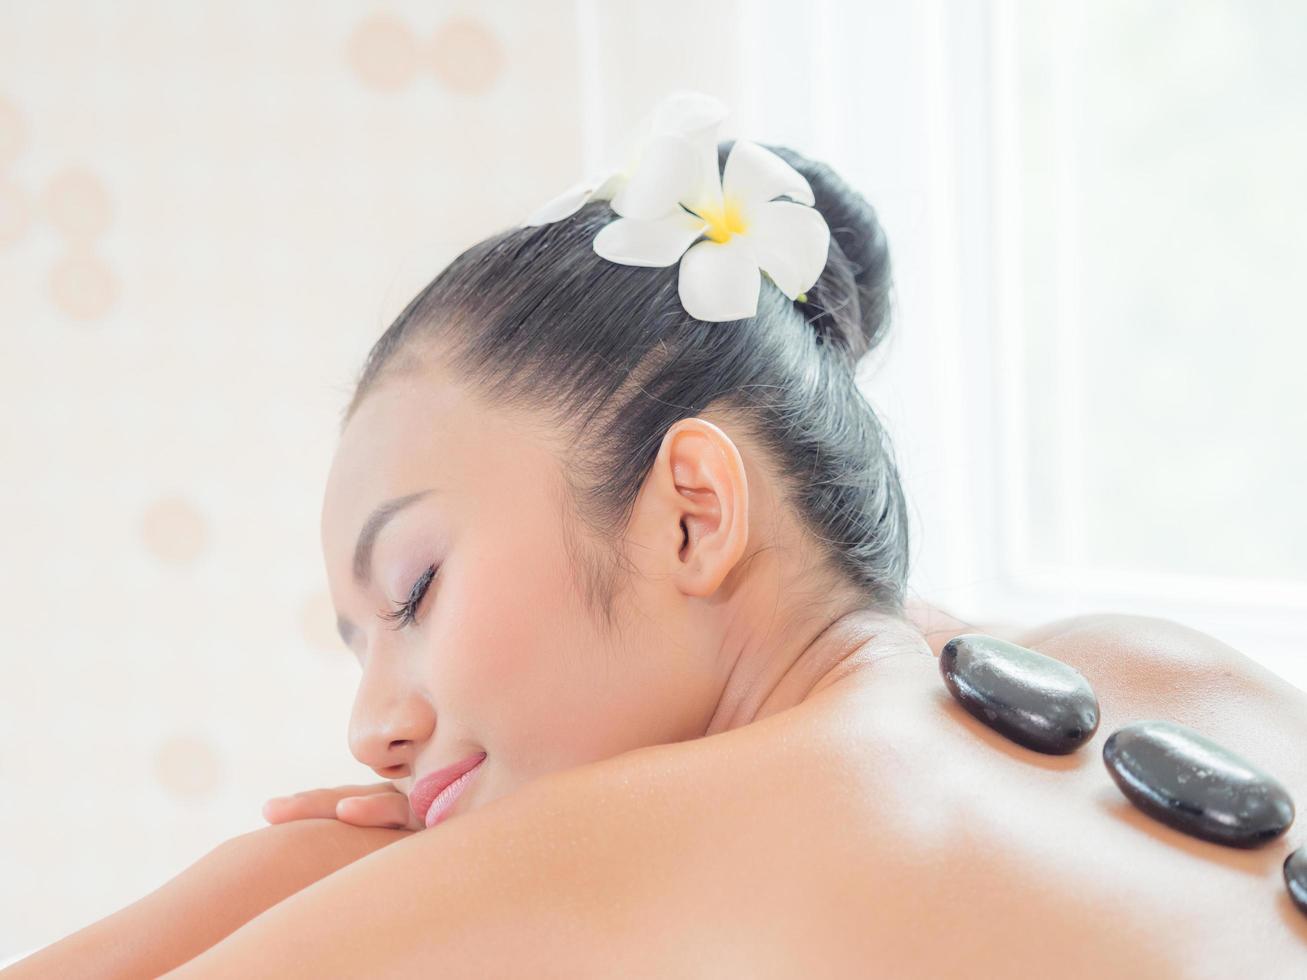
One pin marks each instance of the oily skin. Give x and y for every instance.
(726, 620)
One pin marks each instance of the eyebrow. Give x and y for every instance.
(363, 548)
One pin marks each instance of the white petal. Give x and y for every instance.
(688, 112)
(635, 145)
(706, 195)
(666, 174)
(609, 188)
(754, 174)
(695, 117)
(650, 243)
(790, 242)
(720, 280)
(566, 203)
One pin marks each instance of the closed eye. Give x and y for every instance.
(406, 612)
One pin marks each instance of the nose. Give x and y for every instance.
(391, 718)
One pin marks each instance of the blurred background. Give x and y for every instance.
(209, 211)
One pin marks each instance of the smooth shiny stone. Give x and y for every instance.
(1034, 700)
(1187, 781)
(1295, 877)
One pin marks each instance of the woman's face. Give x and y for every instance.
(501, 656)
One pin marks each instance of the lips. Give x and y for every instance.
(426, 789)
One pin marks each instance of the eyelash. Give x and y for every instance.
(405, 612)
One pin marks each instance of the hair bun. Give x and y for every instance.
(849, 305)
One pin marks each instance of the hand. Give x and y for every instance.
(382, 804)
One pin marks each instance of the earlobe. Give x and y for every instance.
(709, 493)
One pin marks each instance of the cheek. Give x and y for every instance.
(519, 660)
(505, 615)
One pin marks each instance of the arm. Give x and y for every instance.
(502, 891)
(213, 897)
(629, 866)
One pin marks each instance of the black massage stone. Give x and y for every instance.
(1189, 782)
(1295, 877)
(1034, 700)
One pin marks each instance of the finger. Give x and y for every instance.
(377, 810)
(318, 802)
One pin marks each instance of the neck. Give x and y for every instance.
(772, 674)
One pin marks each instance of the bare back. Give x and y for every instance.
(940, 848)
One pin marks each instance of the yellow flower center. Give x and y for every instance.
(723, 222)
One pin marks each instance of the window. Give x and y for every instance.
(1099, 224)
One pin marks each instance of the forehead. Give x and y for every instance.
(416, 431)
(384, 447)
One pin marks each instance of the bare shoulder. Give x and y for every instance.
(1149, 666)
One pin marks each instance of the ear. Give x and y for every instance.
(698, 506)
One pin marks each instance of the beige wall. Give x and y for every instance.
(208, 212)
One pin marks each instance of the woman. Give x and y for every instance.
(642, 579)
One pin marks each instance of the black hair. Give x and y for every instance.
(533, 319)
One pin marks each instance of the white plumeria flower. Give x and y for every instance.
(690, 116)
(677, 194)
